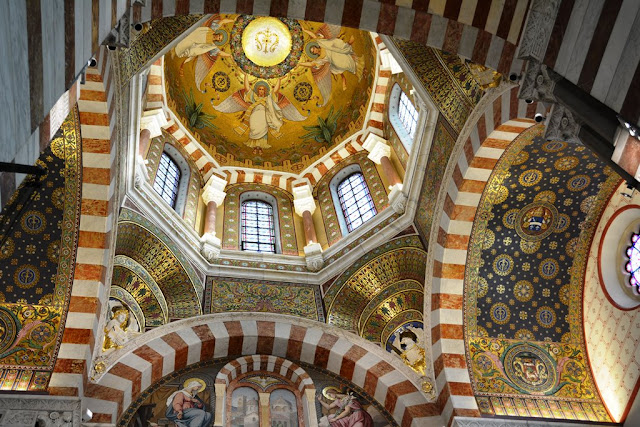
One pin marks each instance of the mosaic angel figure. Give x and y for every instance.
(203, 44)
(349, 412)
(264, 111)
(331, 57)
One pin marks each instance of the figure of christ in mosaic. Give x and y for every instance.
(264, 110)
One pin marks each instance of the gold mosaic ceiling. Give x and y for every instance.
(270, 92)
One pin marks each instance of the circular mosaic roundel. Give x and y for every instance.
(546, 317)
(503, 264)
(578, 183)
(33, 222)
(549, 268)
(26, 276)
(500, 313)
(9, 327)
(530, 368)
(553, 146)
(266, 41)
(530, 177)
(536, 220)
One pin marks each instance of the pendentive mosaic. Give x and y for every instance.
(523, 281)
(37, 262)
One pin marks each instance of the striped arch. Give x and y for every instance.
(489, 135)
(89, 292)
(169, 348)
(268, 363)
(474, 33)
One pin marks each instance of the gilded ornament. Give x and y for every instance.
(578, 183)
(566, 163)
(530, 177)
(500, 313)
(536, 221)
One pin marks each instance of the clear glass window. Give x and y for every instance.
(355, 201)
(167, 180)
(408, 115)
(258, 228)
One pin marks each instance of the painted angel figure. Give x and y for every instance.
(264, 111)
(409, 345)
(331, 56)
(203, 45)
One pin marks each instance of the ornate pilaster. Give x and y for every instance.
(537, 30)
(561, 125)
(304, 204)
(151, 124)
(45, 411)
(379, 152)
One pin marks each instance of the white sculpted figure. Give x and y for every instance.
(409, 345)
(120, 329)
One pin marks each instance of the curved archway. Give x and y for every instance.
(143, 361)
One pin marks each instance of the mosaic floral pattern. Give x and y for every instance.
(231, 232)
(447, 88)
(443, 142)
(229, 295)
(523, 288)
(36, 263)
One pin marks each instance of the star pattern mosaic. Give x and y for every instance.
(531, 236)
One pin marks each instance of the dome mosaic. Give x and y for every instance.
(274, 93)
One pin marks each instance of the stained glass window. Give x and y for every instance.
(633, 265)
(408, 115)
(167, 180)
(355, 201)
(258, 228)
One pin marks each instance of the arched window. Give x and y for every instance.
(633, 265)
(167, 180)
(355, 201)
(403, 116)
(258, 226)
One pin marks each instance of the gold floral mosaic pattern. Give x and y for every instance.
(36, 263)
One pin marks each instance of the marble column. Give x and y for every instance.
(309, 402)
(304, 205)
(221, 398)
(151, 124)
(379, 152)
(213, 195)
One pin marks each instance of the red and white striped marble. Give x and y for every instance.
(265, 363)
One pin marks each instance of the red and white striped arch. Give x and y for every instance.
(97, 219)
(489, 136)
(175, 346)
(265, 363)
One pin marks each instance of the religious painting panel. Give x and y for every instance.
(283, 407)
(244, 410)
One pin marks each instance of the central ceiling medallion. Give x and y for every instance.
(266, 47)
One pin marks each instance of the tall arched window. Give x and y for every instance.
(355, 201)
(258, 227)
(403, 115)
(167, 180)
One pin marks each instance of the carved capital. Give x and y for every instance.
(377, 147)
(561, 125)
(46, 411)
(537, 30)
(397, 199)
(211, 246)
(538, 82)
(153, 121)
(120, 35)
(303, 199)
(214, 190)
(313, 256)
(142, 174)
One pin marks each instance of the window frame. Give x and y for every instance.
(183, 183)
(394, 117)
(162, 187)
(336, 181)
(272, 202)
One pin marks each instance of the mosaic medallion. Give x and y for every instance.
(266, 47)
(536, 220)
(578, 183)
(9, 327)
(530, 368)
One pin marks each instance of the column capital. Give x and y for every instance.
(562, 125)
(538, 82)
(154, 121)
(214, 190)
(377, 147)
(303, 199)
